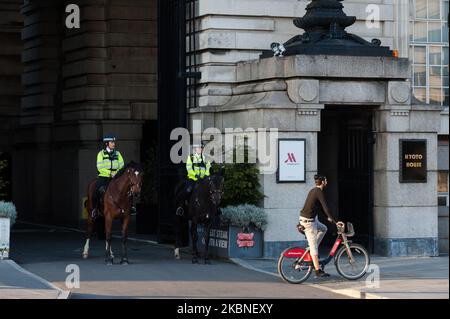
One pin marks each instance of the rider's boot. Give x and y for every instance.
(321, 273)
(179, 211)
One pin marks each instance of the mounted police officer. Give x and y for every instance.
(109, 162)
(197, 167)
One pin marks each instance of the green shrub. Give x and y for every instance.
(241, 183)
(244, 216)
(8, 210)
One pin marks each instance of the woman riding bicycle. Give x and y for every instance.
(315, 230)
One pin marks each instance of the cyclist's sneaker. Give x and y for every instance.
(321, 273)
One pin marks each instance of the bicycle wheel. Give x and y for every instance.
(356, 269)
(291, 271)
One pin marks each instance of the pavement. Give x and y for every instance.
(45, 257)
(53, 253)
(18, 283)
(399, 278)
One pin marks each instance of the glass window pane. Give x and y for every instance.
(419, 55)
(434, 55)
(444, 32)
(420, 94)
(445, 80)
(445, 56)
(420, 31)
(442, 200)
(435, 76)
(446, 96)
(434, 10)
(436, 96)
(443, 181)
(445, 70)
(445, 11)
(421, 8)
(410, 31)
(434, 32)
(419, 76)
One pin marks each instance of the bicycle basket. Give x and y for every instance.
(350, 230)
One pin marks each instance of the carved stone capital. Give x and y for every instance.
(303, 91)
(399, 92)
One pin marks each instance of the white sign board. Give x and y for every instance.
(291, 160)
(4, 237)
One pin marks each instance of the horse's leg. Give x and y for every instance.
(194, 237)
(207, 234)
(90, 228)
(178, 233)
(108, 229)
(125, 223)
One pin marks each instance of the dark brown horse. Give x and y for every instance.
(202, 209)
(116, 204)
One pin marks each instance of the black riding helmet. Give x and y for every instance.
(320, 177)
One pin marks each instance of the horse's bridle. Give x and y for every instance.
(130, 190)
(130, 193)
(212, 193)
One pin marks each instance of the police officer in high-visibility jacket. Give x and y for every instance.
(197, 167)
(109, 162)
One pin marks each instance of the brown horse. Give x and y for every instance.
(116, 204)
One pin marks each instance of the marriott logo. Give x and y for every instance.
(290, 158)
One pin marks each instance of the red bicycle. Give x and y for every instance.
(351, 260)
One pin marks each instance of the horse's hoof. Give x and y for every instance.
(194, 260)
(207, 262)
(109, 262)
(177, 253)
(85, 256)
(124, 262)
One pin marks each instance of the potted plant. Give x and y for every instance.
(8, 215)
(246, 224)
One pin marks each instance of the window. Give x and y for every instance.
(429, 50)
(443, 188)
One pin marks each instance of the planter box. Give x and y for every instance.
(4, 237)
(232, 242)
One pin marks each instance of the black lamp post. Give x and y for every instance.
(324, 24)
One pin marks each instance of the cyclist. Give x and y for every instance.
(315, 230)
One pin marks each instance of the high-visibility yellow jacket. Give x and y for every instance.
(197, 165)
(109, 163)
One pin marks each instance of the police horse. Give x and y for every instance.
(202, 208)
(115, 203)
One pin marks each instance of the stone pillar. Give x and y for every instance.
(405, 214)
(32, 167)
(10, 70)
(283, 201)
